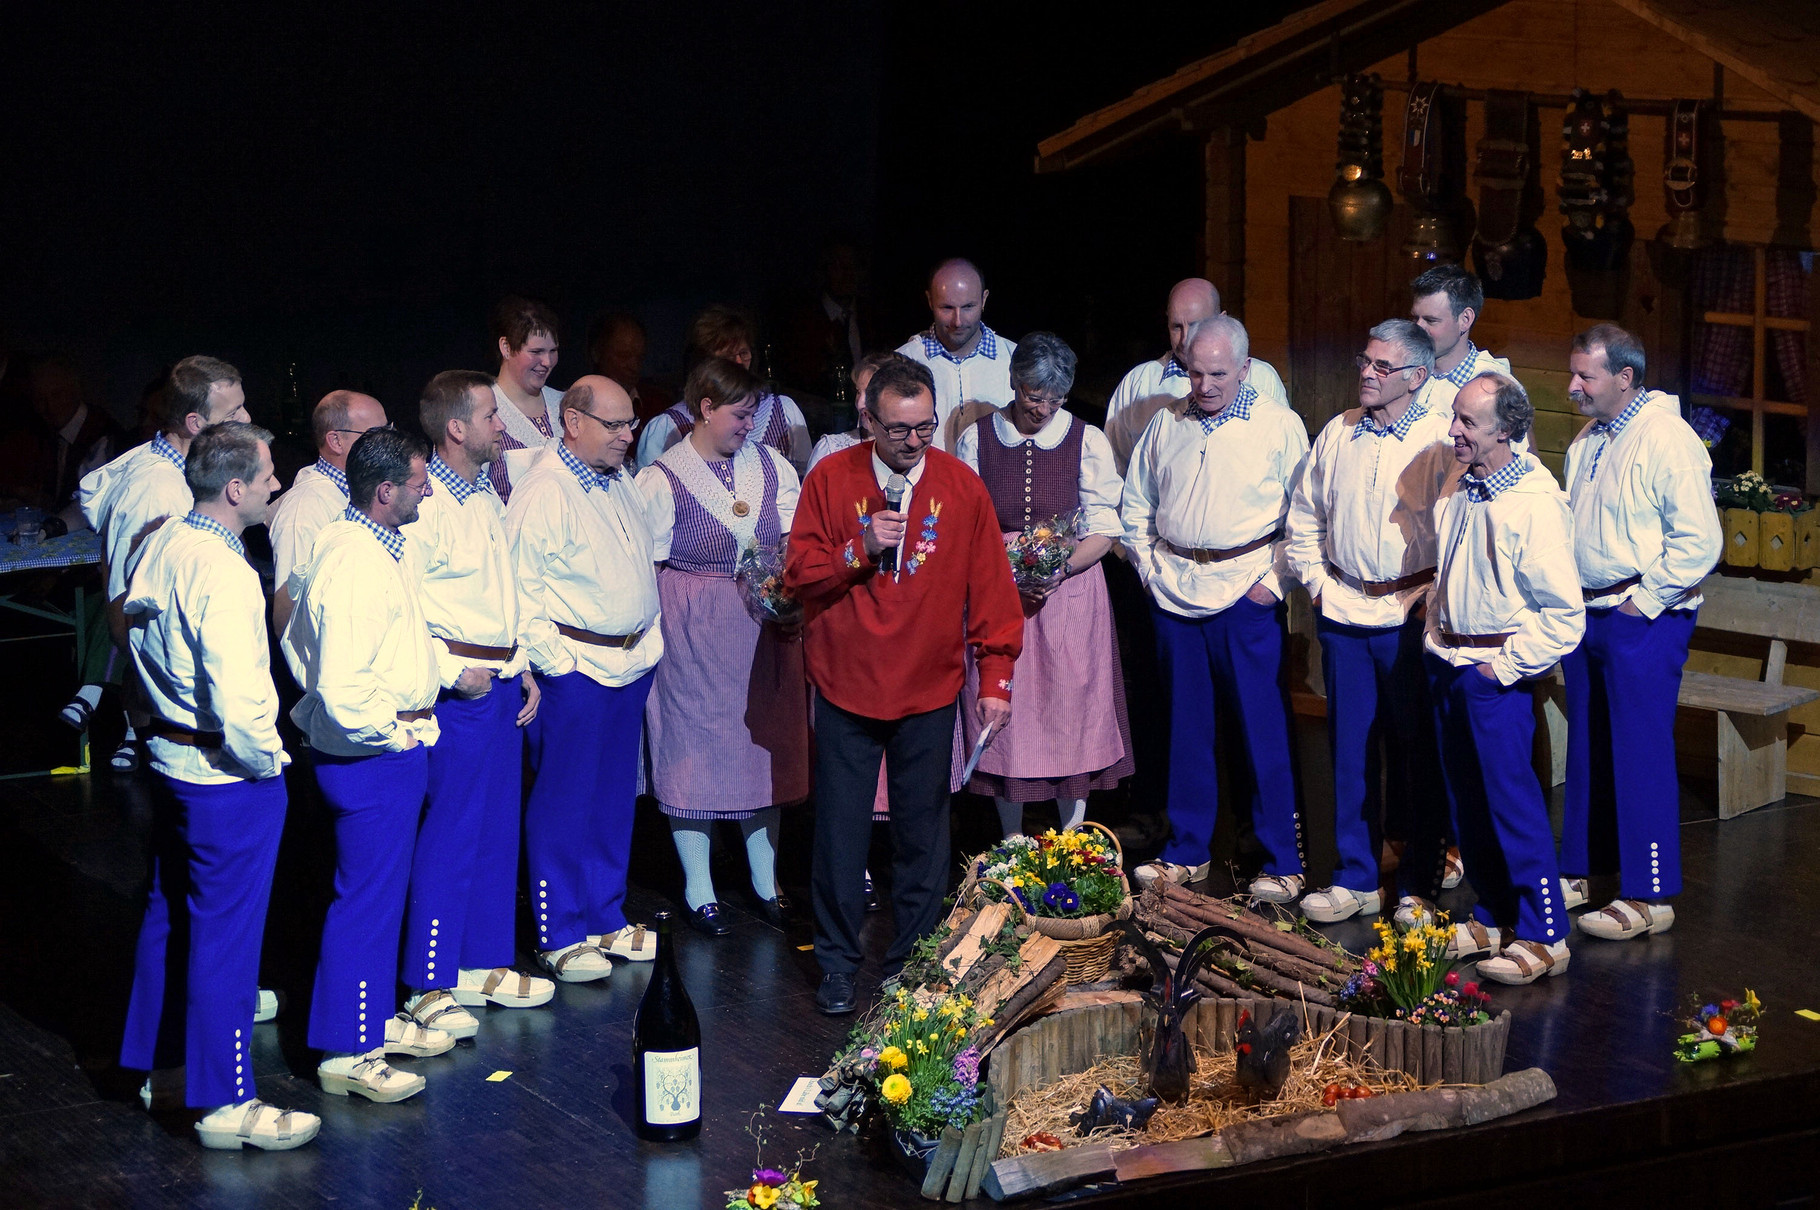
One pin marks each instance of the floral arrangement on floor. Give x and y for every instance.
(1057, 874)
(922, 1055)
(774, 1188)
(1726, 1028)
(760, 572)
(1408, 976)
(1040, 551)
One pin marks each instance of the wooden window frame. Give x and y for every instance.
(1761, 323)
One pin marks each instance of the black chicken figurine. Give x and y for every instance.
(1107, 1110)
(1262, 1055)
(1169, 1062)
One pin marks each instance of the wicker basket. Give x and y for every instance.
(1087, 941)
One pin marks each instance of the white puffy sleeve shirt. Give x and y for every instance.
(1645, 508)
(196, 629)
(584, 556)
(301, 513)
(1507, 567)
(359, 646)
(1366, 506)
(1212, 490)
(1100, 485)
(470, 588)
(125, 500)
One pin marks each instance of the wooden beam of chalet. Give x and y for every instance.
(1261, 73)
(1748, 37)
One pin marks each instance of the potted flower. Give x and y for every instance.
(1070, 884)
(1741, 501)
(924, 1066)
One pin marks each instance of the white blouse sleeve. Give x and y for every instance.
(1100, 487)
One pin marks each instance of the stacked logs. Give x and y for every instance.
(1272, 960)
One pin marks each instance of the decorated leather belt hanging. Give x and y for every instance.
(1425, 180)
(1683, 176)
(1507, 250)
(1360, 201)
(1596, 183)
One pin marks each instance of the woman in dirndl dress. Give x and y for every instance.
(1068, 733)
(727, 719)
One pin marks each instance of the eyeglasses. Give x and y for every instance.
(898, 432)
(612, 426)
(378, 428)
(1383, 369)
(1036, 401)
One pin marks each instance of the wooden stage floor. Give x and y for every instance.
(1631, 1126)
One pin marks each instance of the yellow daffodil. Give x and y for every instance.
(1751, 1002)
(762, 1196)
(921, 1014)
(896, 1089)
(893, 1058)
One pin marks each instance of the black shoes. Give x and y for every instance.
(706, 919)
(836, 997)
(778, 911)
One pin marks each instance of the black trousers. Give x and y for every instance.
(919, 758)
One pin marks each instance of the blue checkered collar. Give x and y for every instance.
(1369, 427)
(590, 478)
(1238, 409)
(987, 346)
(1465, 372)
(458, 487)
(162, 446)
(391, 539)
(1173, 369)
(334, 474)
(1611, 428)
(1502, 480)
(196, 520)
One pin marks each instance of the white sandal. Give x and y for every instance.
(1523, 962)
(634, 943)
(502, 986)
(370, 1076)
(578, 963)
(1277, 888)
(1573, 893)
(404, 1036)
(1168, 871)
(1470, 938)
(1413, 910)
(266, 1007)
(1622, 919)
(438, 1010)
(1338, 903)
(1456, 869)
(266, 1127)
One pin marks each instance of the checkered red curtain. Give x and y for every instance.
(1724, 281)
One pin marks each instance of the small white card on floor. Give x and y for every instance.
(801, 1098)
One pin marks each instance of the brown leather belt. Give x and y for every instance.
(1450, 639)
(1203, 555)
(624, 642)
(1620, 586)
(189, 737)
(1382, 588)
(475, 651)
(413, 716)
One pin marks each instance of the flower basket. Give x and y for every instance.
(1776, 541)
(952, 1165)
(1741, 536)
(1087, 942)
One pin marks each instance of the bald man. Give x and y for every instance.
(582, 554)
(970, 362)
(319, 493)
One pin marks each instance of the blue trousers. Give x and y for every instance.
(1230, 661)
(376, 802)
(1623, 802)
(196, 972)
(578, 818)
(1486, 731)
(464, 875)
(1377, 698)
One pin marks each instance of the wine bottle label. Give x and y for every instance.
(672, 1086)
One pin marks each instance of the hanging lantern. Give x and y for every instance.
(1359, 200)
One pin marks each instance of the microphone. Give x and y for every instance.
(896, 488)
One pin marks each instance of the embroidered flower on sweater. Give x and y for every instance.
(926, 547)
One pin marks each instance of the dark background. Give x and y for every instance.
(350, 190)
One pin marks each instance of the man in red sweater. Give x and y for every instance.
(890, 599)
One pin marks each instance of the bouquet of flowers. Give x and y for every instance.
(1726, 1028)
(922, 1056)
(760, 572)
(773, 1188)
(1064, 874)
(1409, 976)
(1040, 551)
